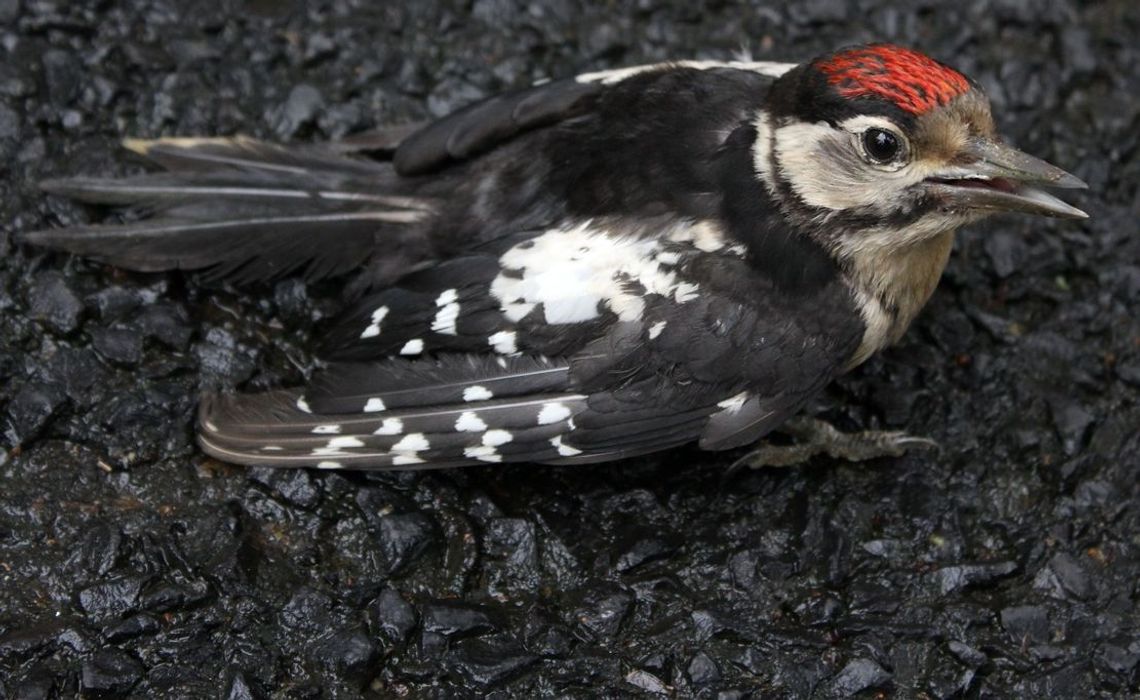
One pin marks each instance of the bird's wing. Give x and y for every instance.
(481, 126)
(568, 345)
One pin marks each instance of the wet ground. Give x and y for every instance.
(1007, 565)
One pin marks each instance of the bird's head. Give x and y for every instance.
(885, 138)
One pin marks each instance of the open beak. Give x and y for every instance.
(995, 176)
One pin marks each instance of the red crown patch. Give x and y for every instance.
(912, 81)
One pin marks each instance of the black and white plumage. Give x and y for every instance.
(579, 271)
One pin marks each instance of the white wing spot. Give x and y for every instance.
(735, 402)
(374, 405)
(390, 426)
(477, 393)
(329, 465)
(399, 460)
(703, 236)
(327, 429)
(494, 438)
(656, 328)
(483, 453)
(446, 319)
(685, 292)
(564, 450)
(504, 342)
(345, 441)
(413, 347)
(272, 448)
(470, 422)
(373, 329)
(412, 442)
(552, 413)
(303, 405)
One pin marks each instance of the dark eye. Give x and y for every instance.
(881, 145)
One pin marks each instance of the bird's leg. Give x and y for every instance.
(814, 436)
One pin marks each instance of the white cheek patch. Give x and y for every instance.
(823, 165)
(578, 273)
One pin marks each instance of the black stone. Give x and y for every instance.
(859, 675)
(110, 672)
(31, 408)
(134, 626)
(118, 345)
(393, 616)
(953, 578)
(456, 620)
(301, 108)
(349, 654)
(1026, 623)
(52, 301)
(702, 670)
(111, 598)
(482, 663)
(402, 538)
(603, 613)
(1063, 577)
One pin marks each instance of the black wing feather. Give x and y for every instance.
(483, 125)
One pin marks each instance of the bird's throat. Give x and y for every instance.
(892, 284)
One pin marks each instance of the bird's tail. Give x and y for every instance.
(242, 210)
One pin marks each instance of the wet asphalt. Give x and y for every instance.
(1005, 565)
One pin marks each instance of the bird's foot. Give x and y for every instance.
(814, 436)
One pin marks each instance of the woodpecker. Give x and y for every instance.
(586, 269)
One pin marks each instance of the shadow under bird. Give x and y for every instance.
(590, 268)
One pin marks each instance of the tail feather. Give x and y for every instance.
(238, 250)
(276, 429)
(243, 211)
(169, 189)
(243, 153)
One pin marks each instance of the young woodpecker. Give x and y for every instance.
(591, 268)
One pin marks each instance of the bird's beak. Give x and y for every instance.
(994, 176)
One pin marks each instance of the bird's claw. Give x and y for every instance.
(815, 437)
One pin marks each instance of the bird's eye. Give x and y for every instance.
(881, 146)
